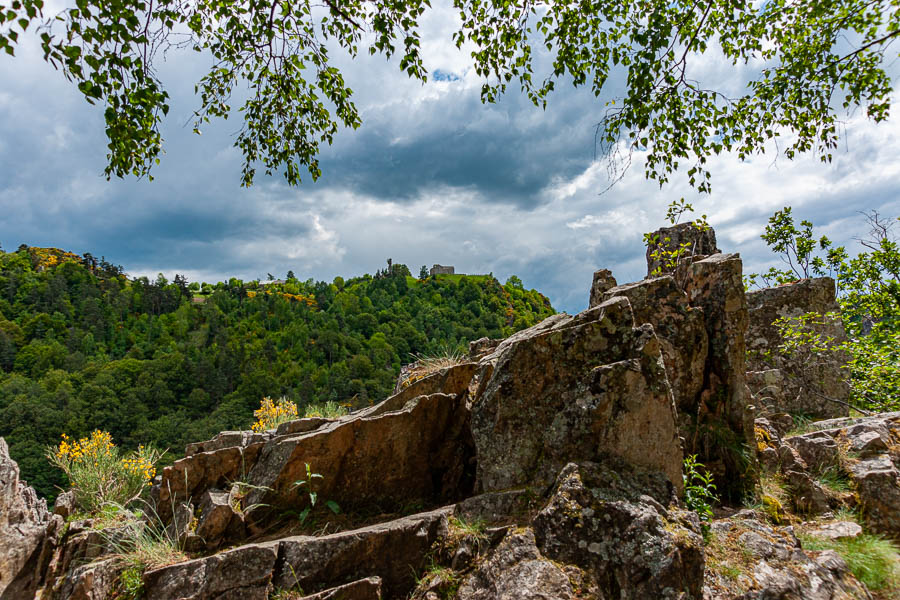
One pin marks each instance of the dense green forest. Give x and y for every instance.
(83, 346)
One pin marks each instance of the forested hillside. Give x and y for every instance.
(83, 346)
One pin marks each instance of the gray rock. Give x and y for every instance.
(241, 573)
(798, 384)
(698, 243)
(607, 520)
(362, 589)
(23, 523)
(837, 530)
(515, 570)
(603, 281)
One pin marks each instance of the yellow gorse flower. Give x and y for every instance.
(270, 414)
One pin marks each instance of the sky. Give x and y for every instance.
(432, 176)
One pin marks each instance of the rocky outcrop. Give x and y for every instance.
(603, 281)
(546, 466)
(863, 453)
(700, 322)
(811, 384)
(23, 523)
(585, 387)
(611, 522)
(695, 241)
(751, 560)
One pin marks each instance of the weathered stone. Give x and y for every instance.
(818, 450)
(394, 551)
(585, 386)
(877, 482)
(363, 589)
(452, 380)
(696, 242)
(807, 495)
(497, 507)
(515, 570)
(723, 431)
(94, 581)
(227, 439)
(609, 520)
(837, 530)
(216, 516)
(64, 505)
(191, 476)
(243, 573)
(798, 384)
(301, 425)
(770, 565)
(603, 281)
(23, 522)
(482, 347)
(681, 333)
(421, 452)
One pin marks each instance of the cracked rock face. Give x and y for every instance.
(585, 386)
(23, 522)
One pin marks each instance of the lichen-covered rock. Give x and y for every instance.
(93, 581)
(582, 387)
(243, 573)
(603, 281)
(796, 384)
(750, 560)
(23, 523)
(609, 520)
(422, 452)
(682, 335)
(228, 439)
(515, 570)
(363, 589)
(723, 433)
(864, 450)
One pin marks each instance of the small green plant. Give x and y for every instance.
(313, 495)
(874, 560)
(666, 254)
(326, 410)
(141, 544)
(699, 489)
(131, 583)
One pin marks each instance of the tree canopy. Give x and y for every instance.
(807, 64)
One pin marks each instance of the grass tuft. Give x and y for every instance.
(874, 560)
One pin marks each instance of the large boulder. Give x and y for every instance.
(24, 519)
(575, 389)
(422, 452)
(812, 384)
(610, 521)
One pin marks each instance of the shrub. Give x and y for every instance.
(272, 414)
(99, 474)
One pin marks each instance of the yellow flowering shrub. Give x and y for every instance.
(99, 474)
(272, 414)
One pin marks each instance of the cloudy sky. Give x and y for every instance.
(432, 176)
